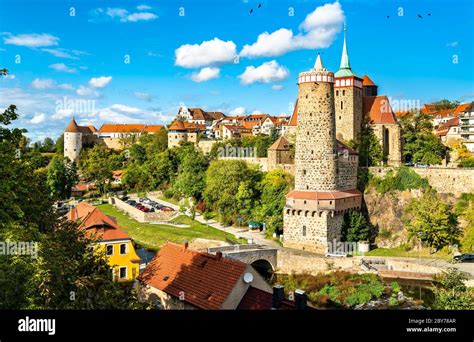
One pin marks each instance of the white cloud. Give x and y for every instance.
(33, 40)
(205, 74)
(87, 91)
(209, 52)
(277, 87)
(62, 68)
(318, 30)
(452, 44)
(257, 111)
(143, 7)
(143, 96)
(141, 16)
(100, 82)
(47, 83)
(265, 73)
(237, 111)
(38, 118)
(62, 114)
(119, 113)
(64, 53)
(9, 77)
(124, 16)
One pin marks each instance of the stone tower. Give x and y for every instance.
(348, 99)
(72, 140)
(313, 214)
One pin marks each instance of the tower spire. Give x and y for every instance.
(318, 66)
(345, 67)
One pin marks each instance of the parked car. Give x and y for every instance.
(141, 199)
(464, 258)
(167, 209)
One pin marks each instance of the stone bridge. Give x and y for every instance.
(259, 256)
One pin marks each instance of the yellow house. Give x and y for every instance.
(113, 240)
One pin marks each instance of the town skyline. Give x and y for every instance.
(57, 63)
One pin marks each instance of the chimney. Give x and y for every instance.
(301, 300)
(219, 255)
(278, 296)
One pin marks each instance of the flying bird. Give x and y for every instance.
(419, 16)
(429, 14)
(251, 11)
(388, 16)
(259, 5)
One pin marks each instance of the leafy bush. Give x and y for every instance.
(400, 180)
(467, 162)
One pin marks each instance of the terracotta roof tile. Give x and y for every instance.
(205, 279)
(122, 128)
(96, 223)
(319, 195)
(367, 82)
(379, 109)
(443, 129)
(256, 299)
(72, 127)
(281, 144)
(152, 128)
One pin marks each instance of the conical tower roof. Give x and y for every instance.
(72, 127)
(318, 66)
(345, 67)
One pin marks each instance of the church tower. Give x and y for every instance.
(313, 214)
(348, 98)
(72, 140)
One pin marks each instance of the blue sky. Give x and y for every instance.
(218, 56)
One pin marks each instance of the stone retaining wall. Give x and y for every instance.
(443, 180)
(141, 216)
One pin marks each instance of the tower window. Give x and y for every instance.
(342, 106)
(337, 92)
(303, 232)
(339, 117)
(304, 172)
(343, 92)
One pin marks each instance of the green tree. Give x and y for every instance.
(61, 177)
(65, 261)
(192, 167)
(273, 188)
(368, 146)
(420, 145)
(355, 227)
(225, 179)
(48, 145)
(432, 221)
(97, 164)
(59, 145)
(445, 104)
(451, 292)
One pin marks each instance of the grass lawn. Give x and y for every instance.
(401, 252)
(169, 199)
(153, 236)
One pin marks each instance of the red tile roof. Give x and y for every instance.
(205, 279)
(379, 109)
(443, 129)
(327, 195)
(256, 299)
(152, 128)
(281, 144)
(367, 82)
(199, 114)
(122, 128)
(178, 125)
(72, 127)
(96, 223)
